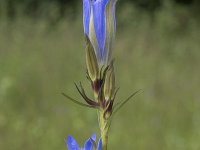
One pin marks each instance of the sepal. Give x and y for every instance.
(91, 60)
(109, 83)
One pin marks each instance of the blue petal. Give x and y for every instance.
(88, 145)
(71, 143)
(99, 7)
(110, 30)
(94, 137)
(86, 15)
(99, 147)
(113, 12)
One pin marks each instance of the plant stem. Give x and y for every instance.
(104, 130)
(104, 142)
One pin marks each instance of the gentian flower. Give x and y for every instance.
(89, 144)
(99, 26)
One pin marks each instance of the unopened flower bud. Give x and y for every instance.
(100, 26)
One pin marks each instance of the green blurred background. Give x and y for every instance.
(42, 54)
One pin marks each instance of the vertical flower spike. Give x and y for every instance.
(99, 28)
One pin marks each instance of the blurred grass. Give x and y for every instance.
(159, 54)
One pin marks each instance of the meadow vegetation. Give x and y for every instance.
(158, 53)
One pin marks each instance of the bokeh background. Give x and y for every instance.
(42, 54)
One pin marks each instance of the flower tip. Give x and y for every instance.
(93, 137)
(71, 143)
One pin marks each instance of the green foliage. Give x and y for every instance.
(158, 54)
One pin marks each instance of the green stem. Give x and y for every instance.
(104, 142)
(104, 130)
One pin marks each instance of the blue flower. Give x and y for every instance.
(89, 144)
(100, 25)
